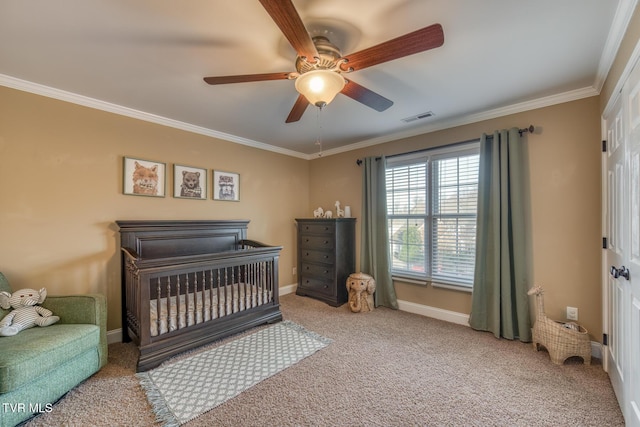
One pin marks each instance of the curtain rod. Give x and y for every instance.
(529, 129)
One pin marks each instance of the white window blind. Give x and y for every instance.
(432, 210)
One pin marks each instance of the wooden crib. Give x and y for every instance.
(189, 283)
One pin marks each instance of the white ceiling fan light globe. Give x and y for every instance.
(316, 84)
(320, 86)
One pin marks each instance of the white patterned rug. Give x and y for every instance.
(182, 390)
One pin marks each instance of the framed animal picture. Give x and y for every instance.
(226, 186)
(144, 177)
(189, 182)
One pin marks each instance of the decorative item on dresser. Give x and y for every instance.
(326, 257)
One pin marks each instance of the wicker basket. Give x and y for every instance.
(562, 340)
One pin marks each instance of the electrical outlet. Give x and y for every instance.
(295, 271)
(572, 313)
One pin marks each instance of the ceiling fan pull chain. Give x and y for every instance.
(319, 131)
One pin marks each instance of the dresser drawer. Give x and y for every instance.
(315, 285)
(317, 242)
(317, 228)
(309, 255)
(324, 271)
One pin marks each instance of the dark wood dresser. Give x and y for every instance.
(326, 258)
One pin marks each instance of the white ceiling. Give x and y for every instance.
(147, 58)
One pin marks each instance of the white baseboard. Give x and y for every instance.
(596, 350)
(114, 336)
(436, 313)
(288, 289)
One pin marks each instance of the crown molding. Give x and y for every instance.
(62, 95)
(618, 29)
(546, 101)
(86, 101)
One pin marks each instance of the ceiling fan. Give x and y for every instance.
(320, 64)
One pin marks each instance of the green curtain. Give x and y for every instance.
(374, 243)
(500, 303)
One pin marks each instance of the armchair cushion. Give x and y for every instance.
(37, 351)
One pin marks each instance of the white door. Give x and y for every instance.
(622, 256)
(614, 294)
(633, 150)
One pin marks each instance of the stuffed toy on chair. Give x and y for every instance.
(26, 314)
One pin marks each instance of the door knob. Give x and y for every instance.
(624, 272)
(614, 272)
(618, 272)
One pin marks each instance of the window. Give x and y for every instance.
(432, 211)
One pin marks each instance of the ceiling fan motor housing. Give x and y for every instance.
(328, 55)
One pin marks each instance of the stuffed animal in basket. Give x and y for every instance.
(361, 287)
(26, 314)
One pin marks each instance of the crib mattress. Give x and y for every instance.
(202, 306)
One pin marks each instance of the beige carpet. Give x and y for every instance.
(385, 368)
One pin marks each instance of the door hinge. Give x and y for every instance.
(605, 339)
(604, 146)
(604, 243)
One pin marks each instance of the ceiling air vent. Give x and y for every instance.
(418, 117)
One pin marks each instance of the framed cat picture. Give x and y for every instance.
(189, 182)
(144, 177)
(226, 186)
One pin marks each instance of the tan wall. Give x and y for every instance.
(61, 191)
(564, 163)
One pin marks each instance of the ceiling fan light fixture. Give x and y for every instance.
(320, 86)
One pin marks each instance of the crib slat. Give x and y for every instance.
(263, 282)
(167, 302)
(220, 295)
(158, 305)
(248, 289)
(178, 305)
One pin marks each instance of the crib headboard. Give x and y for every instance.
(159, 239)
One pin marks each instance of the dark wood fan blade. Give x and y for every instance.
(221, 80)
(418, 41)
(365, 96)
(298, 109)
(287, 19)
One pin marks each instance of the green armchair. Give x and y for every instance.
(39, 365)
